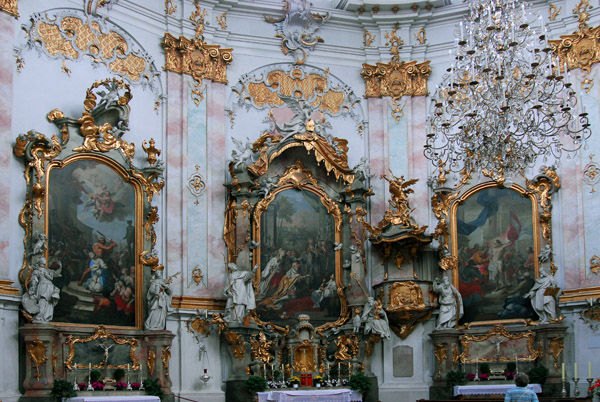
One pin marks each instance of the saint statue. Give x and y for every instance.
(159, 302)
(42, 295)
(451, 306)
(240, 293)
(375, 319)
(543, 296)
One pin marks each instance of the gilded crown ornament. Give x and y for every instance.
(506, 100)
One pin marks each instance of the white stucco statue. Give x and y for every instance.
(543, 296)
(451, 306)
(375, 319)
(240, 293)
(159, 302)
(42, 295)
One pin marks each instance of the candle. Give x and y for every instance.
(575, 370)
(265, 369)
(90, 366)
(589, 369)
(563, 370)
(517, 364)
(127, 366)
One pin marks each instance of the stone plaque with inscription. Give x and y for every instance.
(403, 361)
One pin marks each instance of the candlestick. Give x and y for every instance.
(576, 391)
(89, 386)
(141, 380)
(75, 386)
(575, 370)
(590, 391)
(563, 393)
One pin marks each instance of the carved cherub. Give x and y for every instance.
(243, 152)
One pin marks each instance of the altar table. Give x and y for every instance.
(323, 395)
(124, 398)
(494, 389)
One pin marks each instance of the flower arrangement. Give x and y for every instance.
(120, 385)
(470, 376)
(484, 376)
(318, 379)
(135, 385)
(595, 388)
(82, 386)
(98, 386)
(294, 380)
(509, 375)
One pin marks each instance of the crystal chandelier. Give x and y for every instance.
(505, 100)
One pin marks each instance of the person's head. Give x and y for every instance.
(521, 380)
(102, 240)
(446, 281)
(497, 242)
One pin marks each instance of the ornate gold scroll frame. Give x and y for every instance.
(581, 49)
(297, 177)
(471, 192)
(103, 145)
(395, 78)
(499, 330)
(198, 59)
(102, 333)
(10, 7)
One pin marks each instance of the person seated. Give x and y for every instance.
(520, 393)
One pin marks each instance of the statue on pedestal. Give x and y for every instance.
(159, 301)
(451, 306)
(240, 293)
(543, 296)
(42, 295)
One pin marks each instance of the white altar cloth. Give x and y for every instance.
(324, 395)
(490, 389)
(124, 398)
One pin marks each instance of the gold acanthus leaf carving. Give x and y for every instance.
(37, 353)
(449, 262)
(196, 58)
(370, 347)
(151, 220)
(10, 7)
(440, 354)
(396, 79)
(166, 357)
(347, 347)
(100, 138)
(72, 37)
(406, 296)
(595, 264)
(151, 361)
(307, 86)
(556, 348)
(151, 184)
(40, 151)
(260, 348)
(238, 346)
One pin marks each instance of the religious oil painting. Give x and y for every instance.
(91, 240)
(495, 237)
(298, 264)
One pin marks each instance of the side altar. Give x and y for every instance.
(94, 302)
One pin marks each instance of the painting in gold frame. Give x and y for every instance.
(300, 267)
(93, 226)
(495, 236)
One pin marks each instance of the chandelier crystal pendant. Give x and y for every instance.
(505, 101)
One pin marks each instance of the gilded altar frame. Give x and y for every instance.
(538, 192)
(298, 177)
(89, 153)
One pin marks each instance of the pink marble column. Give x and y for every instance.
(216, 174)
(7, 66)
(175, 159)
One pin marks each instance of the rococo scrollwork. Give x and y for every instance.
(395, 78)
(110, 189)
(102, 333)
